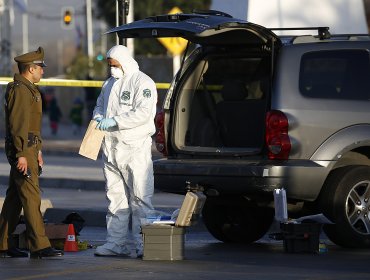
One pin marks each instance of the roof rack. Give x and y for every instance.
(350, 35)
(323, 32)
(211, 13)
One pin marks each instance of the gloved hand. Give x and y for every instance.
(98, 119)
(104, 124)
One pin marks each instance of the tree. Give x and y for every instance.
(79, 69)
(146, 8)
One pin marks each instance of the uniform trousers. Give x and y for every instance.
(24, 192)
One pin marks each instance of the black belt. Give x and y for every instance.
(33, 139)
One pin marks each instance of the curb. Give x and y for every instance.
(55, 147)
(92, 217)
(64, 183)
(97, 217)
(45, 204)
(68, 148)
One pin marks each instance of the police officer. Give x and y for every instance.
(23, 112)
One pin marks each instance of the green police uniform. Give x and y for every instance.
(23, 113)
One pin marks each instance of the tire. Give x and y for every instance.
(345, 200)
(235, 220)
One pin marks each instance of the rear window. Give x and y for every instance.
(221, 105)
(339, 74)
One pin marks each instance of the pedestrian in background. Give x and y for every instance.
(23, 114)
(55, 115)
(75, 115)
(125, 109)
(91, 94)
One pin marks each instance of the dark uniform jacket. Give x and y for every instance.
(23, 115)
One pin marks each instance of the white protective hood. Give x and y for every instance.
(122, 55)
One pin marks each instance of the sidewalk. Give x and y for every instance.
(64, 167)
(76, 185)
(65, 142)
(90, 204)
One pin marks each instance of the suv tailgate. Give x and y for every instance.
(197, 28)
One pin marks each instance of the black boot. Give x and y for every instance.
(46, 253)
(13, 253)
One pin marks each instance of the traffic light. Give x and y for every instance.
(99, 57)
(67, 17)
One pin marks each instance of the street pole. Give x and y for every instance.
(130, 18)
(5, 35)
(117, 19)
(122, 9)
(25, 28)
(90, 51)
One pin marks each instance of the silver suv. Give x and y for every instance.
(251, 111)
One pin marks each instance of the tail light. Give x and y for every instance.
(277, 138)
(160, 139)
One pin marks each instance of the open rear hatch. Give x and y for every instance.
(220, 100)
(199, 29)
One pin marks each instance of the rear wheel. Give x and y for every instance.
(235, 220)
(346, 201)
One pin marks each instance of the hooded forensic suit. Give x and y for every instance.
(130, 101)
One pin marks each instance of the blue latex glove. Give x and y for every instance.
(105, 124)
(98, 119)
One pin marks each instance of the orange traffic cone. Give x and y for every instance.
(70, 245)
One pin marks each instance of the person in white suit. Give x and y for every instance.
(126, 109)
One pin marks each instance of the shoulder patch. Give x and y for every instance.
(147, 93)
(125, 95)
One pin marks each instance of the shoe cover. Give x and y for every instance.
(139, 252)
(111, 249)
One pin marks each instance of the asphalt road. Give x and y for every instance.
(74, 183)
(205, 258)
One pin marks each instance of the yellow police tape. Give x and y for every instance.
(72, 83)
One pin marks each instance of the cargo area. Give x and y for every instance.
(222, 104)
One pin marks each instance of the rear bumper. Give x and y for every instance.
(302, 179)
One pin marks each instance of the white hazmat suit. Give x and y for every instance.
(130, 102)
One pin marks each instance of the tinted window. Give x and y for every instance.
(250, 73)
(340, 74)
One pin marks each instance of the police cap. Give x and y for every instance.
(36, 57)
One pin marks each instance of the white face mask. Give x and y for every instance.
(116, 72)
